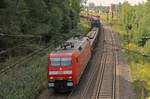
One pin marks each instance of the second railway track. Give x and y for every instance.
(106, 80)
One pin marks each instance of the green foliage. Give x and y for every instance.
(139, 87)
(53, 20)
(84, 26)
(146, 18)
(27, 80)
(2, 4)
(138, 17)
(125, 18)
(143, 33)
(138, 44)
(139, 70)
(147, 47)
(24, 83)
(127, 15)
(38, 17)
(66, 22)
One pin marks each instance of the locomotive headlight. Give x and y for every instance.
(51, 78)
(70, 77)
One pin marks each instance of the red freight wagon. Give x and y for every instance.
(67, 63)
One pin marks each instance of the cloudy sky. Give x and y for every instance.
(108, 2)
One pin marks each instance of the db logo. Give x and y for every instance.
(60, 69)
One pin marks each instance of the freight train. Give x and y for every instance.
(67, 63)
(95, 22)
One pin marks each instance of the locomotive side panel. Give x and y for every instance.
(83, 60)
(75, 70)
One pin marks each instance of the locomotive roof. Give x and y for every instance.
(76, 41)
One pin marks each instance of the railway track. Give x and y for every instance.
(100, 77)
(114, 66)
(98, 69)
(99, 82)
(106, 80)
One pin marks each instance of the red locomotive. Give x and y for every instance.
(67, 63)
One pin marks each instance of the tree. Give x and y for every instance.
(127, 14)
(2, 4)
(38, 17)
(146, 18)
(144, 23)
(147, 46)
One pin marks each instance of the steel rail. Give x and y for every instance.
(101, 78)
(101, 74)
(98, 92)
(114, 66)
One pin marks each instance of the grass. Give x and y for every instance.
(139, 66)
(27, 80)
(24, 81)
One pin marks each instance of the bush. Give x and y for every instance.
(143, 33)
(147, 47)
(24, 82)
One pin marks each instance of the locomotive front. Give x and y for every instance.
(60, 70)
(67, 63)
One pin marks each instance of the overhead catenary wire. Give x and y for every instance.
(7, 50)
(31, 55)
(28, 57)
(10, 49)
(25, 36)
(24, 59)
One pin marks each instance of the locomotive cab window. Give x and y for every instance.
(55, 62)
(63, 61)
(66, 61)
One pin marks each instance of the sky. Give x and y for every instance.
(108, 2)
